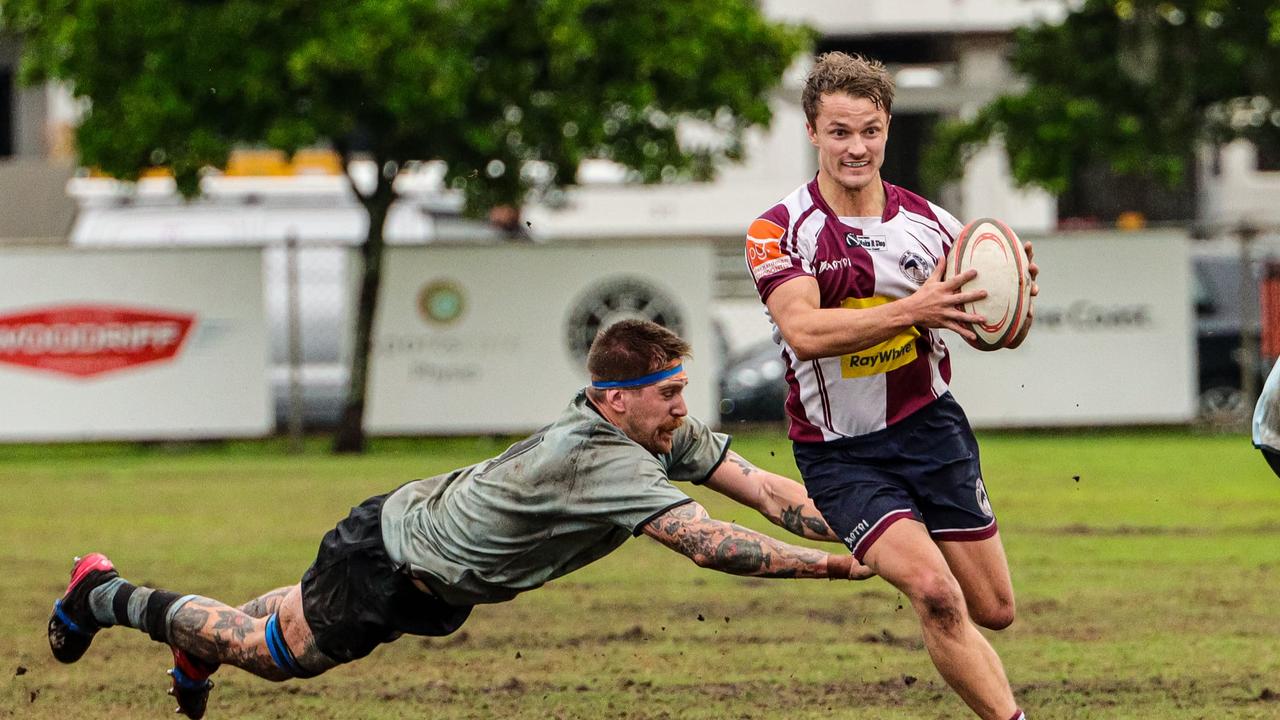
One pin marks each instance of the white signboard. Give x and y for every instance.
(1113, 340)
(494, 339)
(132, 344)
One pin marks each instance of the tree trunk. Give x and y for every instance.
(350, 435)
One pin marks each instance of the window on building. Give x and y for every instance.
(903, 49)
(6, 112)
(909, 133)
(1267, 142)
(1098, 196)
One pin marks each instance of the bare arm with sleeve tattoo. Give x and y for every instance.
(780, 499)
(726, 547)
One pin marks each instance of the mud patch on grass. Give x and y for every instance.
(885, 637)
(1080, 529)
(1134, 693)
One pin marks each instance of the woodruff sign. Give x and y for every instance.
(89, 339)
(133, 344)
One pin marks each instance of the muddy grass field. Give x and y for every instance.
(1147, 568)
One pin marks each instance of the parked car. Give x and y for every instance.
(752, 385)
(1219, 324)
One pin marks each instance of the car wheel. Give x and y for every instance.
(1224, 405)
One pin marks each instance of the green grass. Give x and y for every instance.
(1146, 588)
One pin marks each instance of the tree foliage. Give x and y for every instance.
(1130, 84)
(511, 94)
(551, 81)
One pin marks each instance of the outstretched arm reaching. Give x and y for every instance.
(782, 500)
(723, 546)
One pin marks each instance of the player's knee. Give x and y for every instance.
(938, 601)
(997, 614)
(284, 664)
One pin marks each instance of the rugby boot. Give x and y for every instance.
(191, 683)
(72, 625)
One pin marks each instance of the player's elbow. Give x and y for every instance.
(805, 345)
(805, 355)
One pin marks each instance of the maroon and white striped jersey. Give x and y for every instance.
(858, 263)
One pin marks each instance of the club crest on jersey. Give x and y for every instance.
(866, 242)
(916, 267)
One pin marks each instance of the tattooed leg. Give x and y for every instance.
(264, 605)
(259, 607)
(209, 629)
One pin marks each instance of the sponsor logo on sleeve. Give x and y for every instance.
(88, 340)
(764, 249)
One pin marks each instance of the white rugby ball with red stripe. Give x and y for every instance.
(990, 247)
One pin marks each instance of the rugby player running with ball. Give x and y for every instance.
(850, 268)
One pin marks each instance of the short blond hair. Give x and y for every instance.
(854, 75)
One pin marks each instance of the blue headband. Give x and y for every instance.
(649, 379)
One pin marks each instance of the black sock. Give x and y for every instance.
(118, 602)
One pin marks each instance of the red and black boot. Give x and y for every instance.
(72, 625)
(191, 683)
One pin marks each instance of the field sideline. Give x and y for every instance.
(1147, 567)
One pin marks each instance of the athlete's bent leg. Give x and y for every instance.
(278, 647)
(191, 674)
(982, 570)
(202, 631)
(908, 559)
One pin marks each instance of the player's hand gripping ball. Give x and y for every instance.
(990, 247)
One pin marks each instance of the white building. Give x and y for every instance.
(948, 60)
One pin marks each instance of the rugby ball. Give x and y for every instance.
(990, 247)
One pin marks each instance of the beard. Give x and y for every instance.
(662, 438)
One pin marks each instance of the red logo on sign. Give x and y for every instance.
(87, 340)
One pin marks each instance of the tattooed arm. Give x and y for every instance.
(782, 500)
(723, 546)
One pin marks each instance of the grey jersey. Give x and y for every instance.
(562, 498)
(1266, 416)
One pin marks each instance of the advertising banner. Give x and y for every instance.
(1113, 341)
(132, 344)
(494, 339)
